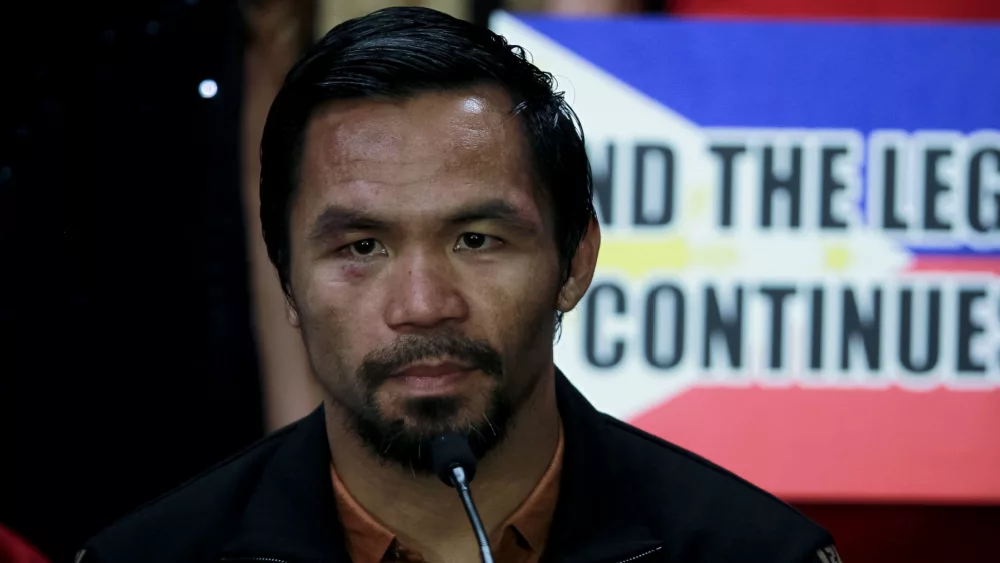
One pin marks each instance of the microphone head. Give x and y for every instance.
(449, 451)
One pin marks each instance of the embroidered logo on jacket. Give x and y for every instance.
(829, 555)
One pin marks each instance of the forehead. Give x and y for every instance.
(428, 148)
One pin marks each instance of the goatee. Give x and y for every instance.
(407, 445)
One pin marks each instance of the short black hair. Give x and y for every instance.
(397, 53)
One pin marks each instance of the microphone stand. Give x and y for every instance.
(455, 465)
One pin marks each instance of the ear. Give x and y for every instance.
(291, 311)
(581, 270)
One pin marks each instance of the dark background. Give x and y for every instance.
(127, 362)
(132, 364)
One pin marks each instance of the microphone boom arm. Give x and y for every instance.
(459, 482)
(455, 465)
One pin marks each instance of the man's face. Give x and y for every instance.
(424, 270)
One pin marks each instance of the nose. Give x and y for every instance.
(423, 293)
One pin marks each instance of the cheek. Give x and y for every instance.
(353, 272)
(513, 297)
(335, 290)
(337, 317)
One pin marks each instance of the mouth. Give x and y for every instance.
(432, 378)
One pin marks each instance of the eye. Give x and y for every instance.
(365, 248)
(477, 241)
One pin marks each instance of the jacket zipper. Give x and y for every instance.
(273, 560)
(641, 555)
(261, 559)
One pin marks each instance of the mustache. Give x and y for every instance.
(384, 362)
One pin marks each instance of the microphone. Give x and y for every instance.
(455, 465)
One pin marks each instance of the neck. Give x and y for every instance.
(427, 515)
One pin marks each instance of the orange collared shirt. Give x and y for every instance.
(523, 537)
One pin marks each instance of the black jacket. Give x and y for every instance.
(625, 496)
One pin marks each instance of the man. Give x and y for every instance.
(426, 201)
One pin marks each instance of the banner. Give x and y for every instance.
(799, 277)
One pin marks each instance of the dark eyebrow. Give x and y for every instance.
(494, 210)
(335, 219)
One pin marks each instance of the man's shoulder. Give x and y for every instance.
(189, 522)
(695, 498)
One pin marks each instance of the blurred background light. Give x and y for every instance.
(208, 88)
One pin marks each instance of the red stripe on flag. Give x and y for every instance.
(844, 444)
(955, 264)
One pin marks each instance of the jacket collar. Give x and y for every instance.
(292, 517)
(599, 516)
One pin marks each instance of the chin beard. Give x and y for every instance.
(403, 437)
(408, 446)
